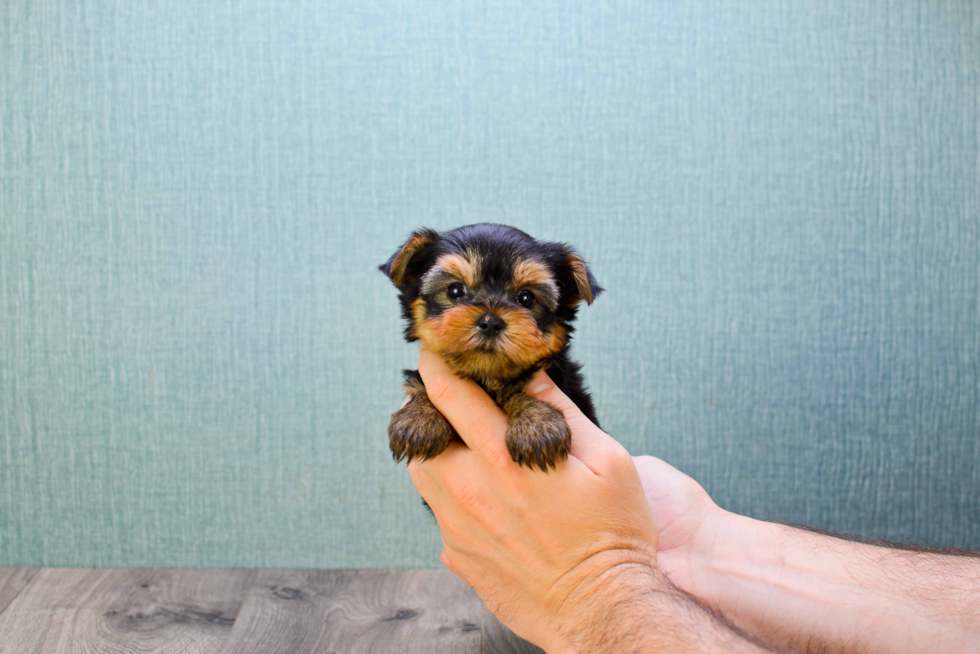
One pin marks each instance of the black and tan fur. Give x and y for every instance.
(497, 305)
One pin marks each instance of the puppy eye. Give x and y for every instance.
(456, 291)
(525, 298)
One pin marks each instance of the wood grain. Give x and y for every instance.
(300, 612)
(12, 582)
(55, 611)
(132, 611)
(404, 611)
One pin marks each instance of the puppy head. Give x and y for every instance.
(491, 300)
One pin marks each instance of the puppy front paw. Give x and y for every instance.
(418, 430)
(538, 434)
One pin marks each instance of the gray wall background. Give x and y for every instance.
(198, 358)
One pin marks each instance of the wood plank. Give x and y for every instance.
(132, 611)
(192, 611)
(38, 614)
(12, 582)
(404, 611)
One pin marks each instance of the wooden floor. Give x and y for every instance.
(55, 610)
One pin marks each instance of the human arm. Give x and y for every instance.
(567, 558)
(808, 591)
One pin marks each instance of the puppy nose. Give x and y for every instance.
(491, 324)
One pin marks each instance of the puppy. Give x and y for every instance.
(497, 305)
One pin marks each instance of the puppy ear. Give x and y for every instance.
(398, 267)
(583, 283)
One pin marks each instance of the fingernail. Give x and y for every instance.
(539, 386)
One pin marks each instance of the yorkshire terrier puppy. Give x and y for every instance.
(497, 305)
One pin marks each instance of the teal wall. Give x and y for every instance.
(198, 357)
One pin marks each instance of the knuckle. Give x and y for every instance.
(466, 496)
(458, 563)
(567, 408)
(622, 457)
(440, 389)
(616, 461)
(497, 455)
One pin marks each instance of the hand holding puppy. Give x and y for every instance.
(568, 560)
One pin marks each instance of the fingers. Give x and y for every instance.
(440, 472)
(477, 419)
(589, 443)
(543, 388)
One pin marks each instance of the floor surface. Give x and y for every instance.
(123, 611)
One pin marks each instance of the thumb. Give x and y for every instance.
(589, 443)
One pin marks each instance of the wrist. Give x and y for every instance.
(743, 568)
(608, 617)
(606, 581)
(722, 543)
(740, 567)
(633, 608)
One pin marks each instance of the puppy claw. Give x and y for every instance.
(418, 431)
(539, 437)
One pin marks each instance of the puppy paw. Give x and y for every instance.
(418, 430)
(538, 434)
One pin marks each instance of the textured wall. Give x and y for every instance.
(198, 357)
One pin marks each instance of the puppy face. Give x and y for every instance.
(491, 300)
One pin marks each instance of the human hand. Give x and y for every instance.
(689, 521)
(539, 548)
(806, 591)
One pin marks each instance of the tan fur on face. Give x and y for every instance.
(418, 317)
(534, 273)
(453, 334)
(529, 272)
(465, 269)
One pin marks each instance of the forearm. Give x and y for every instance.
(633, 608)
(816, 593)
